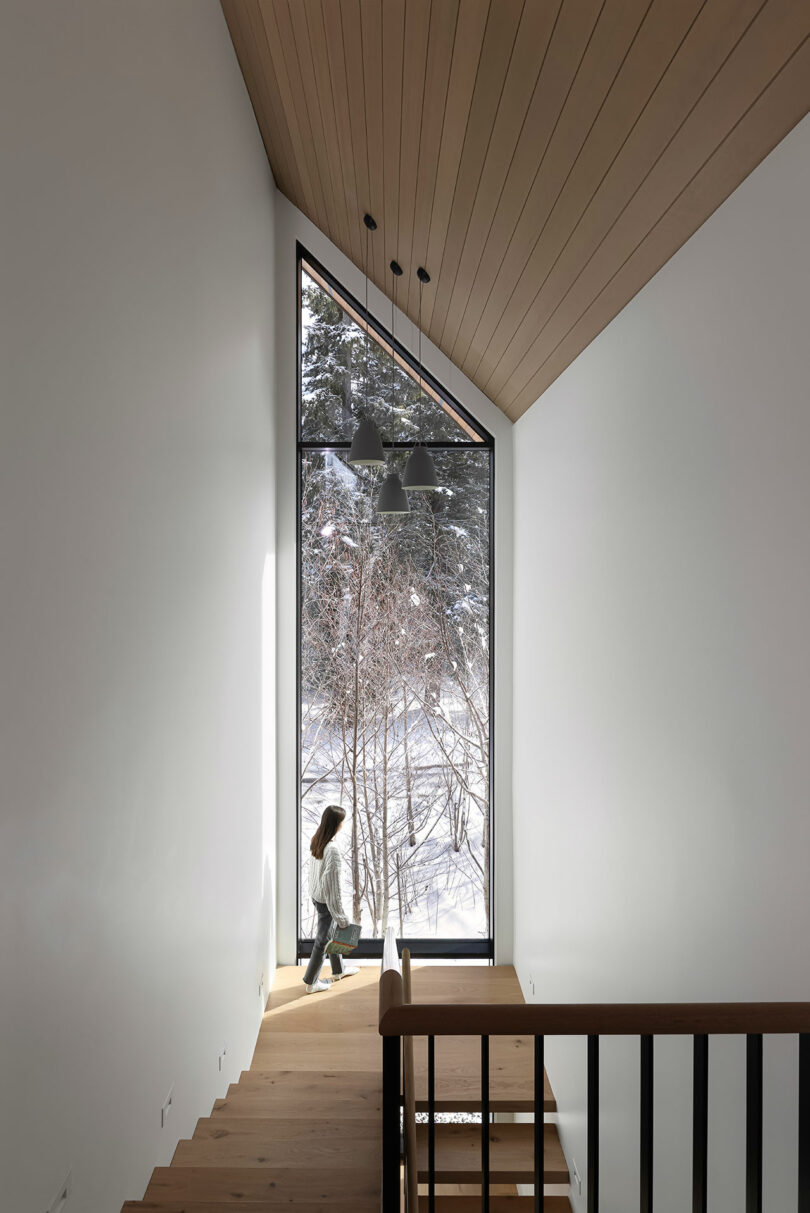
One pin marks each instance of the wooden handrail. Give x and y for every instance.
(390, 978)
(587, 1019)
(390, 956)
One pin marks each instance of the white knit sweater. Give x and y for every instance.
(324, 882)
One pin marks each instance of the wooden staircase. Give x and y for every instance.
(302, 1127)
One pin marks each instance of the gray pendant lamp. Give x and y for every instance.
(420, 471)
(366, 449)
(393, 499)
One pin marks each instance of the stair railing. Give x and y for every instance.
(399, 1018)
(391, 996)
(409, 1099)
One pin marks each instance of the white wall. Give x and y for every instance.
(137, 564)
(662, 680)
(292, 226)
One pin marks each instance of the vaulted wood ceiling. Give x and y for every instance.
(541, 158)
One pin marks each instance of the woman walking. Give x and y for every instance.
(324, 889)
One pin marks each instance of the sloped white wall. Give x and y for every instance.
(137, 608)
(662, 681)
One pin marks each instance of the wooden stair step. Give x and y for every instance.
(253, 1142)
(308, 1051)
(511, 1153)
(347, 1204)
(458, 1074)
(497, 1204)
(305, 1189)
(298, 1095)
(349, 1005)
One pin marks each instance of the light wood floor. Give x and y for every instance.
(302, 1127)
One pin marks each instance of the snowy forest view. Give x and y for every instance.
(395, 715)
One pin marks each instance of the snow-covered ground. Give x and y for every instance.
(440, 878)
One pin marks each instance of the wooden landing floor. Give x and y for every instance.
(302, 1127)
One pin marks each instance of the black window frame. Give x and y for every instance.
(369, 949)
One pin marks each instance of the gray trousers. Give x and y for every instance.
(321, 938)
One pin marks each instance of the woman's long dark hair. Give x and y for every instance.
(332, 817)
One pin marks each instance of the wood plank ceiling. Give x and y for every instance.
(541, 158)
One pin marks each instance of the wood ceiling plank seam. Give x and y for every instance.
(572, 37)
(276, 109)
(231, 13)
(393, 48)
(523, 77)
(347, 14)
(538, 255)
(441, 48)
(279, 103)
(314, 147)
(474, 245)
(613, 35)
(660, 183)
(304, 21)
(499, 45)
(417, 28)
(552, 88)
(371, 45)
(330, 15)
(735, 136)
(340, 103)
(274, 136)
(731, 161)
(707, 44)
(569, 207)
(278, 52)
(342, 179)
(467, 52)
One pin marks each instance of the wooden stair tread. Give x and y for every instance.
(497, 1204)
(458, 1063)
(337, 1051)
(302, 1187)
(431, 983)
(255, 1142)
(458, 1074)
(171, 1205)
(511, 1153)
(291, 1094)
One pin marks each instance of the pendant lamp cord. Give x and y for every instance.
(393, 304)
(368, 233)
(421, 422)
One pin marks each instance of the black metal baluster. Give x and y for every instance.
(753, 1124)
(646, 1121)
(804, 1123)
(700, 1124)
(539, 1119)
(485, 1124)
(431, 1124)
(391, 1125)
(593, 1124)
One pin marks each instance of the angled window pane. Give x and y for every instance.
(347, 373)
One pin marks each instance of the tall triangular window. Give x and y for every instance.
(395, 637)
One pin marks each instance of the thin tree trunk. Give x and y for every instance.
(408, 788)
(385, 873)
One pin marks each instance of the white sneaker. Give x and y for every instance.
(348, 972)
(317, 986)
